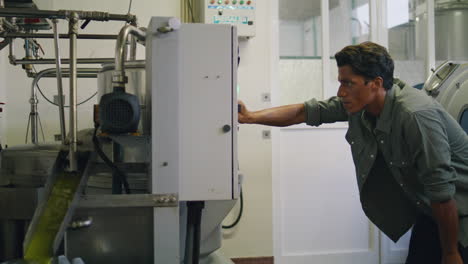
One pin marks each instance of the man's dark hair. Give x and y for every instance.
(369, 60)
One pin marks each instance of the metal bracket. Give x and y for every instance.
(128, 200)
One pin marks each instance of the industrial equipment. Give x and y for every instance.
(449, 85)
(239, 13)
(155, 177)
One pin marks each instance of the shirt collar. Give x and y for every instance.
(384, 121)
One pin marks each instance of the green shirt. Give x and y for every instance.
(414, 146)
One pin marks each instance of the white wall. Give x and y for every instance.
(300, 79)
(253, 236)
(303, 38)
(291, 38)
(312, 37)
(340, 27)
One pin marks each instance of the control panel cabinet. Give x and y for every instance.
(191, 80)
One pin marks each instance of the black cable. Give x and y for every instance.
(85, 24)
(193, 237)
(48, 100)
(239, 215)
(197, 231)
(102, 155)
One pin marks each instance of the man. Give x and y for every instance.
(411, 156)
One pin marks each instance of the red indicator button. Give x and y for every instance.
(32, 20)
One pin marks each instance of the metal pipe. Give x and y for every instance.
(9, 25)
(59, 83)
(64, 61)
(52, 73)
(64, 14)
(11, 48)
(133, 47)
(119, 79)
(26, 48)
(62, 36)
(33, 115)
(73, 31)
(67, 75)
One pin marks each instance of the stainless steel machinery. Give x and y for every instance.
(156, 193)
(451, 16)
(449, 85)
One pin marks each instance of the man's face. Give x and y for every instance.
(355, 91)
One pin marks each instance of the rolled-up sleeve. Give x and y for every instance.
(326, 111)
(428, 141)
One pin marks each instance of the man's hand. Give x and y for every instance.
(454, 258)
(243, 114)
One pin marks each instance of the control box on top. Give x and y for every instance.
(239, 13)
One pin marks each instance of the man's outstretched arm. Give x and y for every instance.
(286, 115)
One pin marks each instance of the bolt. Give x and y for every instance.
(266, 134)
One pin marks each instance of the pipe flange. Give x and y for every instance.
(119, 78)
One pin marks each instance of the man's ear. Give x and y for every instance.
(379, 82)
